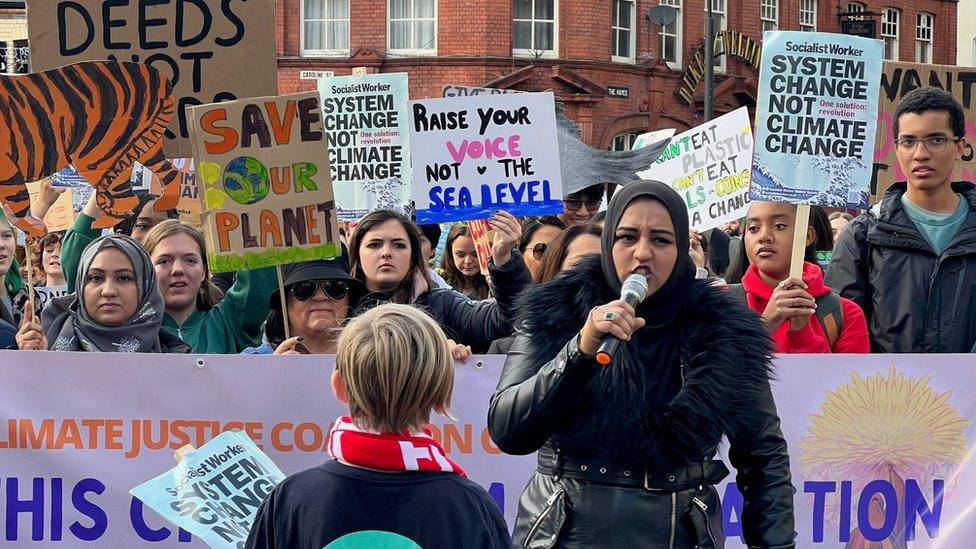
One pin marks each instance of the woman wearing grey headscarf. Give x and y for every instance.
(117, 306)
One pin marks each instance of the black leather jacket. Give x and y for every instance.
(620, 466)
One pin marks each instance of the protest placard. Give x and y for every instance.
(481, 235)
(210, 50)
(897, 80)
(816, 118)
(61, 215)
(188, 206)
(46, 293)
(709, 167)
(474, 155)
(214, 492)
(265, 181)
(365, 121)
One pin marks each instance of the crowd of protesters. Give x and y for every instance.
(898, 280)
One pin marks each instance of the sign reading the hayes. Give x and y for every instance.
(816, 118)
(266, 183)
(210, 50)
(474, 155)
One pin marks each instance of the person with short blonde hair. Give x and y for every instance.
(393, 368)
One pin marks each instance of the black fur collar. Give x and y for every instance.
(715, 355)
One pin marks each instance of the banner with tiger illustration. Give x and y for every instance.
(265, 181)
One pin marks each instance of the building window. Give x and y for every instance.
(721, 22)
(923, 38)
(412, 27)
(808, 15)
(856, 7)
(769, 14)
(889, 32)
(536, 28)
(624, 141)
(624, 14)
(671, 37)
(325, 28)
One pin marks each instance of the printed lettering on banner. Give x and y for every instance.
(482, 235)
(709, 167)
(816, 118)
(477, 154)
(880, 445)
(210, 50)
(266, 186)
(365, 120)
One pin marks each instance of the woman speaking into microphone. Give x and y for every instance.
(626, 451)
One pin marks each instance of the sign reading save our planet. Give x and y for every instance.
(267, 188)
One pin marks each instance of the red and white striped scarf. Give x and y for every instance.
(388, 451)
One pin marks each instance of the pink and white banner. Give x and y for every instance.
(880, 445)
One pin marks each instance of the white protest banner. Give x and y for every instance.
(709, 167)
(365, 119)
(215, 490)
(474, 155)
(46, 293)
(816, 118)
(881, 446)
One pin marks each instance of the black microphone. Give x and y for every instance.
(633, 292)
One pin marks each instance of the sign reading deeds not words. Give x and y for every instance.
(365, 120)
(214, 492)
(708, 166)
(265, 182)
(210, 50)
(474, 155)
(816, 118)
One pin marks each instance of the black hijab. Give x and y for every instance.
(660, 307)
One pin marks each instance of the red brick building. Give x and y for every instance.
(617, 73)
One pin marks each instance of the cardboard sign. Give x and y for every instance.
(266, 183)
(188, 206)
(816, 118)
(709, 166)
(111, 115)
(897, 80)
(365, 122)
(481, 235)
(61, 215)
(214, 492)
(474, 155)
(210, 50)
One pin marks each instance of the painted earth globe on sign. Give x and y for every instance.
(246, 180)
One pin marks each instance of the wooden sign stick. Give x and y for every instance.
(30, 275)
(284, 302)
(799, 240)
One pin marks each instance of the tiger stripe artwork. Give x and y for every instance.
(100, 117)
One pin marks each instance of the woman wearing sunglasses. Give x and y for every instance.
(537, 234)
(319, 295)
(580, 207)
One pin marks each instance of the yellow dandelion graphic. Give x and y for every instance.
(879, 427)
